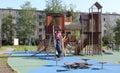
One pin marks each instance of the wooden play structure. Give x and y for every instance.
(54, 20)
(91, 32)
(89, 27)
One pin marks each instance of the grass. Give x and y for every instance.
(19, 48)
(24, 48)
(3, 48)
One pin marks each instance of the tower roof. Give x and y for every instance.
(98, 5)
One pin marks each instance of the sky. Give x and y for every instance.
(79, 5)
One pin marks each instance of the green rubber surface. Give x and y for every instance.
(24, 64)
(113, 58)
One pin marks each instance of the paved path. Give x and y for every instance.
(6, 50)
(3, 64)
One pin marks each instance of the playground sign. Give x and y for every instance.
(16, 41)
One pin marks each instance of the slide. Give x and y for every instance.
(40, 47)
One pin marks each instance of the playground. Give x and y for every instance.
(81, 52)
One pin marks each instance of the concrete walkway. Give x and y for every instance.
(6, 50)
(41, 63)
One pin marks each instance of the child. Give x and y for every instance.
(58, 37)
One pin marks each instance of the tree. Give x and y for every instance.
(75, 15)
(117, 31)
(54, 6)
(8, 28)
(27, 22)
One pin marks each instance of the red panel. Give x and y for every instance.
(50, 18)
(48, 24)
(62, 23)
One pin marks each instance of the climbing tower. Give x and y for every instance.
(91, 31)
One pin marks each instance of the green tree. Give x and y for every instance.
(55, 6)
(117, 31)
(27, 22)
(75, 15)
(8, 28)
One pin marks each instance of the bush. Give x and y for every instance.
(37, 41)
(5, 42)
(105, 41)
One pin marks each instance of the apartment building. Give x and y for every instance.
(40, 15)
(107, 18)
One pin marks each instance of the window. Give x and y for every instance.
(40, 29)
(105, 25)
(10, 11)
(40, 23)
(3, 15)
(105, 31)
(40, 16)
(40, 36)
(104, 19)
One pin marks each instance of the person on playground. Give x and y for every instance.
(58, 37)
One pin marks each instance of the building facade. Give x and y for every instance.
(107, 19)
(40, 15)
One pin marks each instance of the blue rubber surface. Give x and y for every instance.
(95, 68)
(51, 67)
